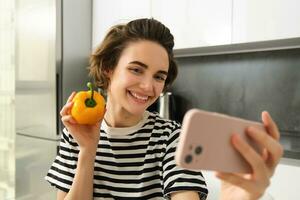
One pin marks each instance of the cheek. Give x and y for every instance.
(123, 79)
(159, 88)
(128, 82)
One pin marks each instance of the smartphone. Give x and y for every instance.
(205, 142)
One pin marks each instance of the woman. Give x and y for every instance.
(132, 157)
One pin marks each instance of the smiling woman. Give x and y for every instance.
(7, 107)
(130, 153)
(133, 156)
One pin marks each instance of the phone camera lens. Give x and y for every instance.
(188, 159)
(198, 150)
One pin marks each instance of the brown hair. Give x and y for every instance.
(107, 54)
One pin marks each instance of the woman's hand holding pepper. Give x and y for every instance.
(87, 136)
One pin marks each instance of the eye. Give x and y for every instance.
(160, 77)
(136, 70)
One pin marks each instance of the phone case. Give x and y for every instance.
(205, 142)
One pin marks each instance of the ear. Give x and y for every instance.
(108, 73)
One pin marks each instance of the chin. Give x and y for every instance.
(137, 112)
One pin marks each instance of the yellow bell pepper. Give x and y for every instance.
(88, 107)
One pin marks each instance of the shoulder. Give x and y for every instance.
(162, 125)
(155, 117)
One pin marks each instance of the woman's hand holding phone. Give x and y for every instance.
(252, 186)
(244, 152)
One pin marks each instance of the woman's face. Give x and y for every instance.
(139, 77)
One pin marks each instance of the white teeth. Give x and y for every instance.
(144, 98)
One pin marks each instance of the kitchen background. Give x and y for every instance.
(237, 57)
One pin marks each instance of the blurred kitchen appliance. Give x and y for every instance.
(166, 105)
(53, 43)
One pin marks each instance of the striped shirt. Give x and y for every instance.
(131, 163)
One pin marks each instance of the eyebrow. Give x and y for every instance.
(146, 66)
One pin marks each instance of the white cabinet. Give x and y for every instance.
(195, 23)
(112, 12)
(261, 20)
(201, 23)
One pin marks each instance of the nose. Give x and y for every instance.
(147, 84)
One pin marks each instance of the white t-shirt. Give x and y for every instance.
(131, 163)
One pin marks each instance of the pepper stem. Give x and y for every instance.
(90, 102)
(90, 86)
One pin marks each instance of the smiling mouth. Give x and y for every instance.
(139, 98)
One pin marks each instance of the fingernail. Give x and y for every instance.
(235, 138)
(267, 113)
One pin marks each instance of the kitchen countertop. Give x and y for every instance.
(290, 161)
(291, 146)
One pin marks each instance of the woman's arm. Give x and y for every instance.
(185, 195)
(87, 137)
(82, 187)
(60, 195)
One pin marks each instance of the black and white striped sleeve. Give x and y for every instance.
(62, 171)
(177, 179)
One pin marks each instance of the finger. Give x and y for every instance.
(250, 155)
(66, 123)
(270, 125)
(66, 109)
(273, 147)
(235, 180)
(265, 154)
(71, 97)
(68, 119)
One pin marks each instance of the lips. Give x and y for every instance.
(138, 97)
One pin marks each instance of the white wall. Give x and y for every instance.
(284, 184)
(213, 184)
(7, 106)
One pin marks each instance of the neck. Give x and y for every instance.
(118, 117)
